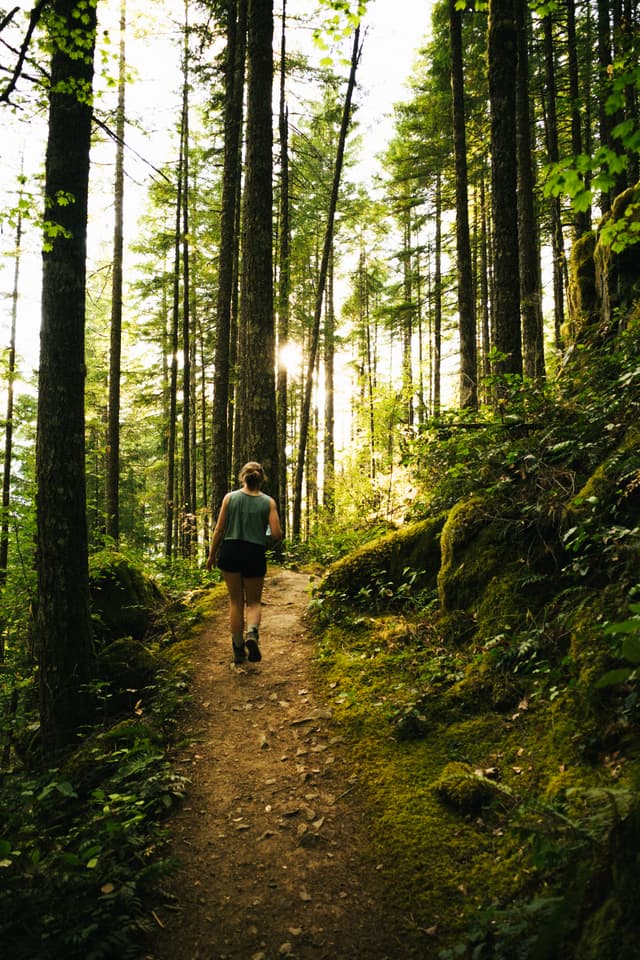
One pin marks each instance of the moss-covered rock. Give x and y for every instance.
(475, 549)
(123, 597)
(603, 272)
(616, 270)
(127, 665)
(614, 484)
(415, 547)
(464, 789)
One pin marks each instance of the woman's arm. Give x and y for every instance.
(274, 522)
(218, 532)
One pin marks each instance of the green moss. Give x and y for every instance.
(123, 597)
(415, 546)
(128, 665)
(475, 548)
(464, 788)
(582, 292)
(614, 483)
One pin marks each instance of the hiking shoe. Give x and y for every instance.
(252, 646)
(239, 654)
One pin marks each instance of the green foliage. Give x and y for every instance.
(83, 843)
(534, 647)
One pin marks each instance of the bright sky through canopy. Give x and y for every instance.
(394, 30)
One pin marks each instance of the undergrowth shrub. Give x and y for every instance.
(83, 842)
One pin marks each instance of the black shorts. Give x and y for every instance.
(241, 556)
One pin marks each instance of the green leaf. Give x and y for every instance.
(631, 647)
(625, 626)
(613, 677)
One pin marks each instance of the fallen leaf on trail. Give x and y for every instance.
(107, 888)
(432, 931)
(517, 769)
(264, 742)
(305, 897)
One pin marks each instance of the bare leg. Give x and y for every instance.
(235, 589)
(253, 594)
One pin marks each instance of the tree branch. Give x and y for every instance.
(34, 19)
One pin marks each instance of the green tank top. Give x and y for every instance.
(247, 517)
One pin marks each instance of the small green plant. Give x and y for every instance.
(627, 635)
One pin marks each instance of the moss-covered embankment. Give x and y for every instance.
(463, 656)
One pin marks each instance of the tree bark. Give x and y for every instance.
(553, 150)
(528, 242)
(466, 305)
(329, 446)
(221, 430)
(257, 439)
(63, 625)
(502, 51)
(8, 427)
(284, 277)
(171, 495)
(581, 218)
(112, 492)
(188, 504)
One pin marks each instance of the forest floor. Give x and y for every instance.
(272, 839)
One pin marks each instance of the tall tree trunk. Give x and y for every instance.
(329, 446)
(628, 32)
(8, 427)
(605, 119)
(485, 299)
(528, 242)
(407, 323)
(553, 150)
(324, 263)
(581, 218)
(502, 47)
(466, 304)
(284, 277)
(171, 496)
(112, 492)
(63, 625)
(258, 438)
(221, 429)
(203, 439)
(188, 505)
(437, 302)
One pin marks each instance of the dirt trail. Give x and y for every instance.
(272, 840)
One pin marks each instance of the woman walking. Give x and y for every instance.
(247, 522)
